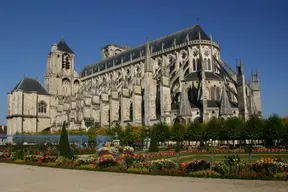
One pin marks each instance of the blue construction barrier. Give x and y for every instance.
(41, 139)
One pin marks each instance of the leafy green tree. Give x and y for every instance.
(119, 130)
(285, 122)
(194, 131)
(129, 137)
(274, 129)
(253, 128)
(178, 134)
(233, 128)
(153, 142)
(162, 131)
(64, 147)
(213, 129)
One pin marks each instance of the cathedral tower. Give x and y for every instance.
(61, 78)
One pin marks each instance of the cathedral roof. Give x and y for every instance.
(194, 76)
(168, 41)
(30, 85)
(62, 46)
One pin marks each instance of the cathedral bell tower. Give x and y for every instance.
(61, 78)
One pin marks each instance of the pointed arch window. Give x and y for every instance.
(205, 64)
(42, 107)
(194, 65)
(209, 65)
(131, 111)
(212, 93)
(198, 65)
(218, 93)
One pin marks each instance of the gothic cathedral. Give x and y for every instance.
(178, 77)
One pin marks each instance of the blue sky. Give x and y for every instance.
(254, 30)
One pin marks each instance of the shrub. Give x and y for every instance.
(17, 155)
(64, 162)
(34, 159)
(104, 162)
(269, 167)
(197, 165)
(85, 161)
(281, 176)
(206, 173)
(128, 161)
(153, 143)
(142, 166)
(162, 164)
(221, 168)
(64, 148)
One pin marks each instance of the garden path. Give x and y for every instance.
(23, 178)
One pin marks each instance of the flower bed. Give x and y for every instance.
(254, 150)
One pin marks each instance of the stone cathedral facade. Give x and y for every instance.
(180, 76)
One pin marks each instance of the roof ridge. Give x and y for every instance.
(19, 85)
(163, 37)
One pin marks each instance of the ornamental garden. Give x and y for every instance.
(232, 148)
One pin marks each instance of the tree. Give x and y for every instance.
(233, 128)
(194, 131)
(119, 130)
(177, 134)
(253, 128)
(274, 129)
(153, 142)
(129, 137)
(285, 122)
(162, 131)
(213, 129)
(64, 147)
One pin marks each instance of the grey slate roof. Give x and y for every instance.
(62, 46)
(215, 103)
(155, 46)
(30, 85)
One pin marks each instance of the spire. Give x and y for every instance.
(211, 36)
(225, 103)
(199, 35)
(148, 63)
(62, 46)
(241, 62)
(185, 108)
(256, 75)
